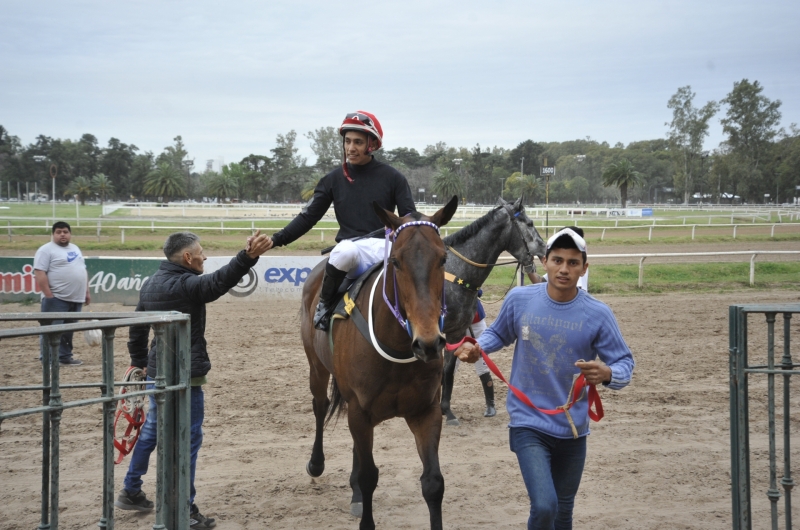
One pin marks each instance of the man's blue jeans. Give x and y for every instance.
(551, 468)
(54, 305)
(140, 459)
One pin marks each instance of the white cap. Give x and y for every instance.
(579, 241)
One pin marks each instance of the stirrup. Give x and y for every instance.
(322, 317)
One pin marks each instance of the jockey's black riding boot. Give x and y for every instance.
(488, 392)
(330, 285)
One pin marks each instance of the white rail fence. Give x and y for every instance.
(642, 257)
(107, 225)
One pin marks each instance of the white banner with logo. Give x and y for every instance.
(273, 277)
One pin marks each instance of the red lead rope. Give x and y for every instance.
(577, 388)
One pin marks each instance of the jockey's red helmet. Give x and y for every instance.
(365, 122)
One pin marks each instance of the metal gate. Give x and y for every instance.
(740, 372)
(172, 394)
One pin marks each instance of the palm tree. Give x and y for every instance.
(522, 185)
(622, 175)
(165, 181)
(102, 185)
(80, 186)
(309, 187)
(447, 183)
(223, 185)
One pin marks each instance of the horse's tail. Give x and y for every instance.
(337, 406)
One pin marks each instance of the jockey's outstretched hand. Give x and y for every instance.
(257, 244)
(468, 352)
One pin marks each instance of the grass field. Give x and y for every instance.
(700, 277)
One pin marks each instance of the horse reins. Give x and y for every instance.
(459, 281)
(132, 411)
(576, 392)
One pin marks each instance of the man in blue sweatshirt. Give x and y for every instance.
(559, 331)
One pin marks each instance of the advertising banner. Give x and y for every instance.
(118, 280)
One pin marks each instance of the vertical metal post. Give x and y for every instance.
(733, 357)
(183, 402)
(641, 271)
(55, 425)
(107, 520)
(740, 437)
(44, 345)
(162, 495)
(786, 481)
(773, 494)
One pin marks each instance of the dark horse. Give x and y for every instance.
(371, 388)
(472, 251)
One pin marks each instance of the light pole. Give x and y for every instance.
(53, 173)
(521, 167)
(501, 186)
(457, 162)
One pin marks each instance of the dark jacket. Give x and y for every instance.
(176, 288)
(352, 201)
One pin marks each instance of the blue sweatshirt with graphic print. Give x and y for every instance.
(550, 338)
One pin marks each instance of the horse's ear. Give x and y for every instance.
(389, 219)
(518, 204)
(443, 216)
(500, 201)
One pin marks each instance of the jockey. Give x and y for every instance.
(352, 188)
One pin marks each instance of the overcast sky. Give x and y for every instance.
(230, 76)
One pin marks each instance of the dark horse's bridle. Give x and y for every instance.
(527, 264)
(395, 308)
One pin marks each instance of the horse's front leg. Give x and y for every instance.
(361, 430)
(448, 374)
(427, 429)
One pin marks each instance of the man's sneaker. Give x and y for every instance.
(198, 520)
(71, 362)
(137, 503)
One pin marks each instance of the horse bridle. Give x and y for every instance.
(527, 264)
(395, 308)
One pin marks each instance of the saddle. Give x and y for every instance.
(349, 292)
(346, 308)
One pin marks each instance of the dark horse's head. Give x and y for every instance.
(417, 260)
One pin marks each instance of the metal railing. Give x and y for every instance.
(172, 394)
(740, 372)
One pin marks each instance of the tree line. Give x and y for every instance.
(757, 162)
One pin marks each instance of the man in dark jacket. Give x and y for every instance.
(179, 286)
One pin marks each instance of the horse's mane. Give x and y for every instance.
(471, 229)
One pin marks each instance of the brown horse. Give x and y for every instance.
(370, 387)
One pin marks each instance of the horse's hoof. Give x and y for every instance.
(357, 509)
(314, 471)
(490, 411)
(454, 422)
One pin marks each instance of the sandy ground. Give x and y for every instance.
(659, 460)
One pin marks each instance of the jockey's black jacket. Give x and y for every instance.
(175, 288)
(352, 201)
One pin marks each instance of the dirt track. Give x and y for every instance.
(660, 458)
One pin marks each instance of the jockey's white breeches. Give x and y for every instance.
(355, 257)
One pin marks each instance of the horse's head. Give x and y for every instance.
(417, 260)
(525, 240)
